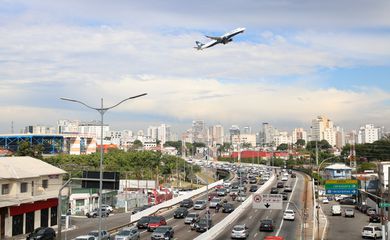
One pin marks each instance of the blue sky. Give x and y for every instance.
(296, 60)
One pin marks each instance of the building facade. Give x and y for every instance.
(29, 195)
(338, 171)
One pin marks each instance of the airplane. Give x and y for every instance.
(226, 38)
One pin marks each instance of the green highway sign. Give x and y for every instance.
(382, 204)
(340, 186)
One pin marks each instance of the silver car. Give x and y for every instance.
(214, 202)
(104, 234)
(190, 217)
(128, 234)
(200, 204)
(240, 231)
(85, 237)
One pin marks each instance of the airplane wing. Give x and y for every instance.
(210, 44)
(233, 33)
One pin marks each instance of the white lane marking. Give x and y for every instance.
(250, 217)
(256, 234)
(174, 226)
(289, 200)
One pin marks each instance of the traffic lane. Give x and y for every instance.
(248, 218)
(276, 215)
(183, 231)
(293, 228)
(340, 227)
(86, 225)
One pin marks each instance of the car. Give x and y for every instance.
(104, 235)
(163, 233)
(155, 222)
(267, 225)
(242, 188)
(372, 231)
(273, 238)
(200, 204)
(234, 192)
(188, 203)
(261, 182)
(212, 195)
(289, 171)
(108, 208)
(375, 218)
(85, 237)
(293, 175)
(227, 208)
(215, 201)
(252, 180)
(221, 192)
(370, 211)
(336, 210)
(287, 189)
(241, 197)
(203, 225)
(285, 178)
(227, 184)
(181, 212)
(191, 217)
(289, 215)
(364, 208)
(42, 233)
(274, 190)
(339, 197)
(128, 233)
(280, 185)
(253, 188)
(325, 200)
(347, 201)
(239, 232)
(143, 222)
(95, 213)
(349, 212)
(284, 196)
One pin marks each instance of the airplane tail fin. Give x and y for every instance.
(198, 45)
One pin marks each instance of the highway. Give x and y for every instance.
(286, 229)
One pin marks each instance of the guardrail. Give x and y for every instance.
(167, 204)
(217, 229)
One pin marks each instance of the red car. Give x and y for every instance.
(155, 222)
(273, 238)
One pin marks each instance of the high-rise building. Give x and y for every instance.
(267, 134)
(216, 134)
(368, 134)
(246, 130)
(67, 126)
(39, 129)
(282, 138)
(297, 134)
(340, 137)
(164, 133)
(93, 128)
(152, 132)
(323, 129)
(199, 131)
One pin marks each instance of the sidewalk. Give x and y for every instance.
(309, 213)
(320, 222)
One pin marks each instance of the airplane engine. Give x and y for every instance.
(227, 40)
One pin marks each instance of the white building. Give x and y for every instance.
(29, 195)
(248, 138)
(216, 134)
(368, 134)
(298, 133)
(282, 138)
(94, 128)
(384, 176)
(323, 129)
(199, 131)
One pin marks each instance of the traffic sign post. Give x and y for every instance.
(267, 201)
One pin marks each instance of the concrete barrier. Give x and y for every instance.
(217, 229)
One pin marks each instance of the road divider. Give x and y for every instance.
(164, 205)
(217, 229)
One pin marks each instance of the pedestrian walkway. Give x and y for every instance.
(308, 225)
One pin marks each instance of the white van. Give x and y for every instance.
(336, 210)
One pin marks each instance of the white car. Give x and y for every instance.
(214, 202)
(289, 215)
(372, 231)
(85, 237)
(240, 231)
(325, 200)
(284, 178)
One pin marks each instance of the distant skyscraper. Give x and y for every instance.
(164, 133)
(234, 131)
(93, 128)
(368, 134)
(199, 131)
(298, 133)
(267, 134)
(246, 130)
(216, 134)
(322, 129)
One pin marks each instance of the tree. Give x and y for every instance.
(26, 149)
(300, 143)
(367, 166)
(282, 147)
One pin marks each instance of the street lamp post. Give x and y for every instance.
(102, 110)
(318, 195)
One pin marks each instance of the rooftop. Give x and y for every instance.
(338, 166)
(26, 167)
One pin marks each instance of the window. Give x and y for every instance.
(23, 187)
(45, 183)
(80, 202)
(4, 189)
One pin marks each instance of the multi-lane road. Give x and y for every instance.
(251, 218)
(287, 229)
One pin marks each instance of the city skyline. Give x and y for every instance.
(291, 64)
